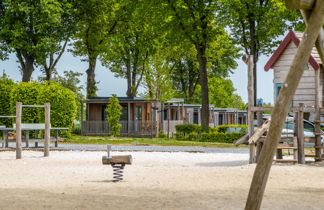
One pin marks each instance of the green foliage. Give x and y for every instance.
(221, 94)
(29, 28)
(70, 80)
(62, 101)
(63, 104)
(27, 93)
(114, 111)
(224, 128)
(255, 25)
(192, 132)
(186, 129)
(161, 134)
(220, 137)
(6, 86)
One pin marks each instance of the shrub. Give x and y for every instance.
(114, 111)
(6, 85)
(220, 137)
(27, 93)
(161, 134)
(193, 136)
(62, 100)
(63, 104)
(224, 128)
(185, 129)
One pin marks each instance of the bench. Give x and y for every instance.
(27, 127)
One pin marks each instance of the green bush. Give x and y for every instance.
(6, 85)
(62, 101)
(27, 93)
(63, 105)
(193, 136)
(220, 137)
(223, 128)
(161, 134)
(185, 129)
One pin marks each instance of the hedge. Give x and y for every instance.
(63, 104)
(6, 86)
(62, 100)
(185, 129)
(223, 128)
(220, 137)
(192, 132)
(27, 93)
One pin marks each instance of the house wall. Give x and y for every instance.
(305, 92)
(95, 112)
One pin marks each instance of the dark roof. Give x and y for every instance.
(295, 37)
(121, 99)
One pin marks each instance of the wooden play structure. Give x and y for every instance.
(117, 162)
(19, 126)
(313, 14)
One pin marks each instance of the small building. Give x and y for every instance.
(280, 62)
(228, 116)
(139, 116)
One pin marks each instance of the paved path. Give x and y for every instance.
(103, 147)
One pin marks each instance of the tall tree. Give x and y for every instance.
(196, 22)
(221, 93)
(129, 49)
(61, 35)
(255, 25)
(97, 21)
(26, 29)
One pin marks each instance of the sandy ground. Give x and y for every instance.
(78, 180)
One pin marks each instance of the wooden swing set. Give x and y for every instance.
(313, 14)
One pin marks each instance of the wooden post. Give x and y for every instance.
(27, 138)
(18, 129)
(300, 4)
(320, 49)
(300, 134)
(56, 138)
(128, 118)
(260, 122)
(36, 137)
(250, 88)
(281, 108)
(47, 129)
(4, 138)
(169, 116)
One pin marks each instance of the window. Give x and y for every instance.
(278, 86)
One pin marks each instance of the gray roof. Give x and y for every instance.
(121, 99)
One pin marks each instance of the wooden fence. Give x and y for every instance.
(129, 128)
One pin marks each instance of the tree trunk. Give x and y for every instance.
(91, 80)
(27, 69)
(202, 60)
(48, 73)
(129, 79)
(254, 52)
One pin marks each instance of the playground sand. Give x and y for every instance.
(78, 180)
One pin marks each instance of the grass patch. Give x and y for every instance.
(76, 139)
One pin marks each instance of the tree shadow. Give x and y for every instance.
(224, 163)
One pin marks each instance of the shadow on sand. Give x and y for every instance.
(224, 163)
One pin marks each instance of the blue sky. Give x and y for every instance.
(108, 84)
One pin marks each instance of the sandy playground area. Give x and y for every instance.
(78, 180)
